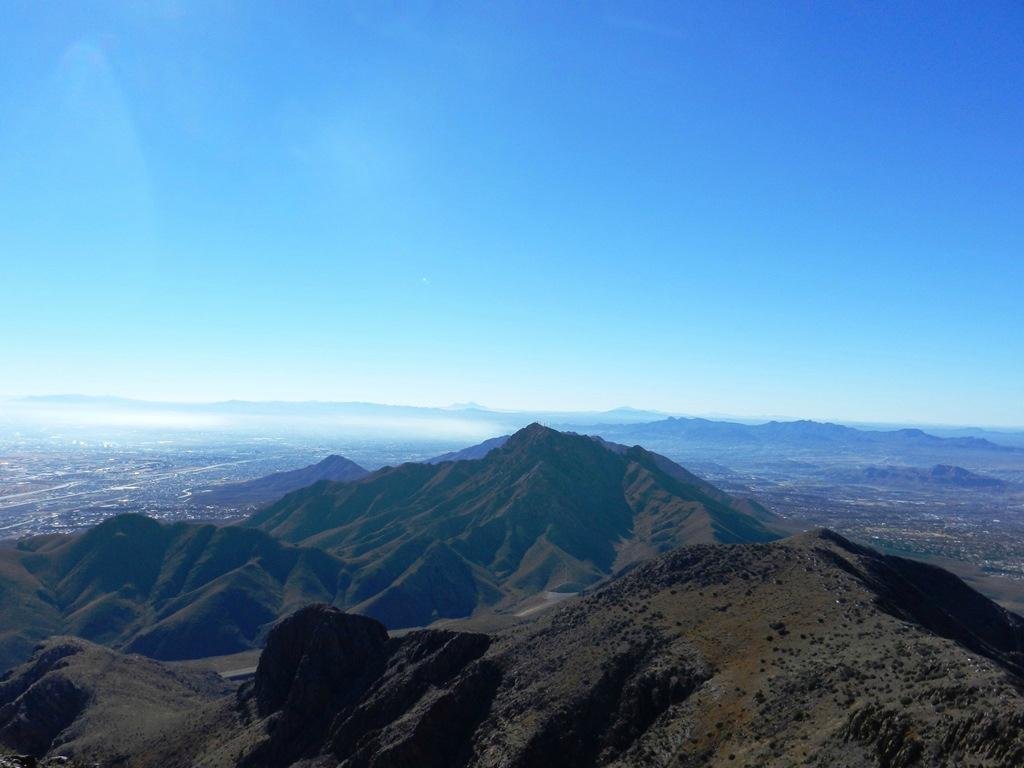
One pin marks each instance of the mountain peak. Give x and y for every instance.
(336, 461)
(536, 429)
(549, 511)
(536, 435)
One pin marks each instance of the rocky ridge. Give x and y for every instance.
(810, 651)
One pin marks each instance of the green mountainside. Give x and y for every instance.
(546, 512)
(168, 591)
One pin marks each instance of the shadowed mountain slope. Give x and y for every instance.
(809, 651)
(545, 512)
(168, 591)
(262, 490)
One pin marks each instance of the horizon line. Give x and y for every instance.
(473, 406)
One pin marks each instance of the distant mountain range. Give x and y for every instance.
(733, 443)
(547, 512)
(699, 438)
(369, 421)
(272, 487)
(798, 434)
(469, 421)
(808, 651)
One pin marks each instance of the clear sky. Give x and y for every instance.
(801, 209)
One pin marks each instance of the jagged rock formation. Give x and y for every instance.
(334, 683)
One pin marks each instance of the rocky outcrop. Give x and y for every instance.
(895, 742)
(331, 683)
(40, 703)
(315, 655)
(334, 686)
(890, 734)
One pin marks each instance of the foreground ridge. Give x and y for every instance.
(808, 651)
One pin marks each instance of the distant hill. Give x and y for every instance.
(998, 436)
(168, 591)
(939, 475)
(272, 487)
(546, 512)
(471, 453)
(807, 651)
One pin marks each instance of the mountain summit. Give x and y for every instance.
(547, 512)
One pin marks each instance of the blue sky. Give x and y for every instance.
(800, 209)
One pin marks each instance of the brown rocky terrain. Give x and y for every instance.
(807, 651)
(77, 698)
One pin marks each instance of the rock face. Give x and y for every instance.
(331, 683)
(315, 652)
(40, 703)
